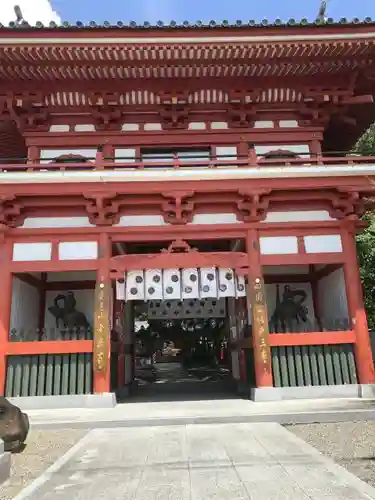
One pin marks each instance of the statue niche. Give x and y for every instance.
(65, 313)
(289, 311)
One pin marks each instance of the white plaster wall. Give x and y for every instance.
(298, 216)
(73, 250)
(264, 124)
(24, 310)
(37, 252)
(85, 304)
(130, 127)
(288, 124)
(152, 126)
(125, 221)
(226, 152)
(59, 128)
(278, 245)
(219, 125)
(49, 222)
(84, 127)
(215, 219)
(326, 243)
(332, 302)
(271, 300)
(125, 155)
(141, 220)
(197, 125)
(157, 220)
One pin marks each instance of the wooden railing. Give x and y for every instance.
(99, 162)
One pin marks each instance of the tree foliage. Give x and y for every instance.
(366, 255)
(366, 144)
(366, 240)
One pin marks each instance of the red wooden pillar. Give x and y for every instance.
(363, 352)
(257, 303)
(5, 306)
(102, 315)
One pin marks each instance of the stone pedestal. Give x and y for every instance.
(4, 464)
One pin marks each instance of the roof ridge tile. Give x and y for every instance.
(186, 24)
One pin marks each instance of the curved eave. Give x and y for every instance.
(135, 56)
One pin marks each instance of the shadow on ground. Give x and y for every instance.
(173, 382)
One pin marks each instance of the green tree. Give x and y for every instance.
(366, 240)
(366, 144)
(366, 255)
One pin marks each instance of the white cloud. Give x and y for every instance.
(32, 11)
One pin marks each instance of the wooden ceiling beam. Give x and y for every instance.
(53, 64)
(314, 83)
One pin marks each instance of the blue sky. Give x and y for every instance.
(152, 10)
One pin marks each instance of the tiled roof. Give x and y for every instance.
(197, 24)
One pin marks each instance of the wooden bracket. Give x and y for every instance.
(179, 246)
(253, 204)
(178, 208)
(102, 209)
(11, 211)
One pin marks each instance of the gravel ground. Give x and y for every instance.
(350, 444)
(43, 448)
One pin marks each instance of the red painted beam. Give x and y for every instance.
(287, 278)
(302, 259)
(54, 266)
(312, 338)
(47, 347)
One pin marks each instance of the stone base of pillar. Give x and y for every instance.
(367, 391)
(264, 394)
(105, 400)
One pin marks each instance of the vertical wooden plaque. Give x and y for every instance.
(101, 327)
(260, 326)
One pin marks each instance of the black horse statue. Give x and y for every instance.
(288, 311)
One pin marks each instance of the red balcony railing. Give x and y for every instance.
(99, 162)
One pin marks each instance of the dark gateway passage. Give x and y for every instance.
(183, 358)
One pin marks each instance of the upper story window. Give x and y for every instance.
(169, 154)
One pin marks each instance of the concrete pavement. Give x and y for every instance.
(196, 462)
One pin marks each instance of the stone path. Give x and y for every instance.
(196, 462)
